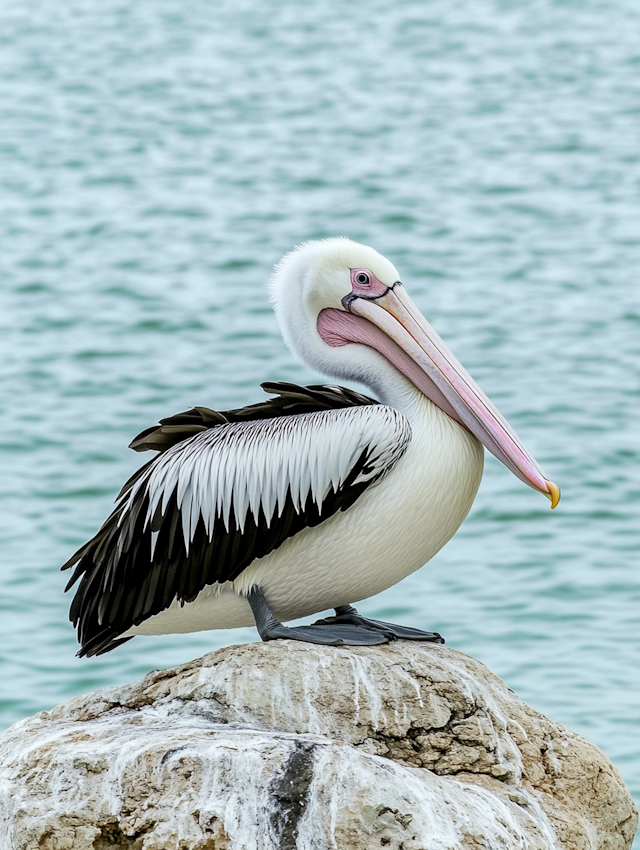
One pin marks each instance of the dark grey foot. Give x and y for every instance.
(340, 634)
(347, 615)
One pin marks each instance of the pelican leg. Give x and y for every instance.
(348, 615)
(330, 634)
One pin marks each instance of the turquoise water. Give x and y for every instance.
(157, 158)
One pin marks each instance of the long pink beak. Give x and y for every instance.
(423, 357)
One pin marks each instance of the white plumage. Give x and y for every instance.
(317, 499)
(394, 527)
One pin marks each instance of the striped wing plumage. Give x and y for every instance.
(226, 493)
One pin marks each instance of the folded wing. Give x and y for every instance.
(210, 504)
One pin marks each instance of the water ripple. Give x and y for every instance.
(156, 161)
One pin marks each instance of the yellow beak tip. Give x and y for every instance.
(554, 494)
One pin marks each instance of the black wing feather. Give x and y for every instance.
(289, 400)
(121, 585)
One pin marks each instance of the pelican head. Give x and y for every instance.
(343, 309)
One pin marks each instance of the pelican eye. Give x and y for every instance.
(362, 279)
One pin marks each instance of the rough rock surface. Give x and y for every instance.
(287, 745)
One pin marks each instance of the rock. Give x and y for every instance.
(287, 745)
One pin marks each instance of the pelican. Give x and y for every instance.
(313, 500)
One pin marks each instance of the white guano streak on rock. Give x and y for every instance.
(431, 812)
(359, 667)
(508, 752)
(280, 746)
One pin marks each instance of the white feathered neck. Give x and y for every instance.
(317, 275)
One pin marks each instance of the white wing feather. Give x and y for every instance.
(252, 466)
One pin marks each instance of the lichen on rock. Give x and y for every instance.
(288, 745)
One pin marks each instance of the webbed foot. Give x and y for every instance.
(330, 634)
(348, 615)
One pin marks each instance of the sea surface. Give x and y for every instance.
(157, 158)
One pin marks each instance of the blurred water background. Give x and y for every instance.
(156, 159)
